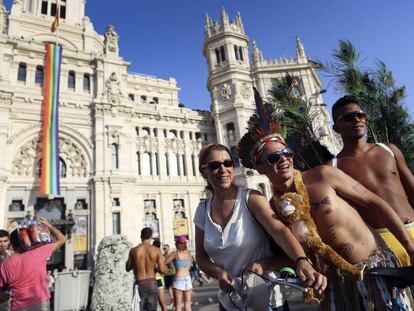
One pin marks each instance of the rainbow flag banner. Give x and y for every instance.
(50, 179)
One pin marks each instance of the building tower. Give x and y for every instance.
(231, 77)
(229, 81)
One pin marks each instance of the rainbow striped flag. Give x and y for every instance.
(50, 179)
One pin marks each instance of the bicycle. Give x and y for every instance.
(400, 278)
(253, 291)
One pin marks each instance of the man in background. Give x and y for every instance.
(144, 259)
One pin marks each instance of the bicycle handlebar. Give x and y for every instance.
(292, 282)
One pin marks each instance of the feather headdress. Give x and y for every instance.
(262, 128)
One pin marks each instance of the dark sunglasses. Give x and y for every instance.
(216, 164)
(350, 116)
(275, 157)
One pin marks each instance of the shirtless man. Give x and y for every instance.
(379, 167)
(338, 223)
(144, 259)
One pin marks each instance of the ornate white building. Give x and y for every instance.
(128, 149)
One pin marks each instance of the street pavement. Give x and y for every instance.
(205, 299)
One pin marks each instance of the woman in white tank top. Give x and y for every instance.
(229, 237)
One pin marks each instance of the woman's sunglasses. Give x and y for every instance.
(216, 164)
(275, 157)
(350, 116)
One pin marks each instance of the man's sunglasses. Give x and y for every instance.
(216, 164)
(350, 116)
(275, 157)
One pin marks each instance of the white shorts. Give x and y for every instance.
(182, 283)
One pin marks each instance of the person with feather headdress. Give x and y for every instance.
(314, 204)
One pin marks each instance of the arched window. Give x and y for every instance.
(87, 82)
(241, 53)
(138, 163)
(217, 55)
(39, 75)
(62, 166)
(22, 72)
(146, 164)
(71, 80)
(114, 156)
(222, 54)
(236, 52)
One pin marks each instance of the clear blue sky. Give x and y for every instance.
(165, 37)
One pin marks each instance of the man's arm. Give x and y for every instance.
(128, 264)
(162, 268)
(407, 178)
(349, 188)
(282, 235)
(60, 238)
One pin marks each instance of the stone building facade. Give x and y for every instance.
(128, 149)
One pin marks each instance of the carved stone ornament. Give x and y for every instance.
(225, 91)
(26, 160)
(245, 90)
(113, 90)
(111, 40)
(147, 143)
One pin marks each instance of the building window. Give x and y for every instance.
(143, 99)
(217, 55)
(235, 156)
(191, 135)
(157, 169)
(39, 75)
(62, 165)
(146, 164)
(71, 80)
(16, 206)
(197, 135)
(44, 7)
(184, 166)
(131, 97)
(81, 204)
(151, 219)
(146, 131)
(236, 52)
(116, 203)
(139, 163)
(182, 134)
(62, 9)
(167, 165)
(241, 53)
(193, 164)
(114, 156)
(230, 131)
(155, 99)
(205, 137)
(172, 134)
(222, 54)
(116, 223)
(21, 73)
(87, 82)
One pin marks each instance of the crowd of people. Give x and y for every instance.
(332, 223)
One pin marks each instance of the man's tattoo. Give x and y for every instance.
(324, 201)
(359, 188)
(345, 250)
(330, 234)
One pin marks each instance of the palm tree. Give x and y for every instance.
(297, 116)
(383, 101)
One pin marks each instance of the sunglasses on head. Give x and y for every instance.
(350, 116)
(275, 157)
(216, 164)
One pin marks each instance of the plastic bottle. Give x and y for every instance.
(24, 236)
(33, 233)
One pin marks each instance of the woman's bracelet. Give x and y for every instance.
(303, 258)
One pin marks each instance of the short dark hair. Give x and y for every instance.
(343, 101)
(156, 243)
(146, 233)
(4, 233)
(14, 240)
